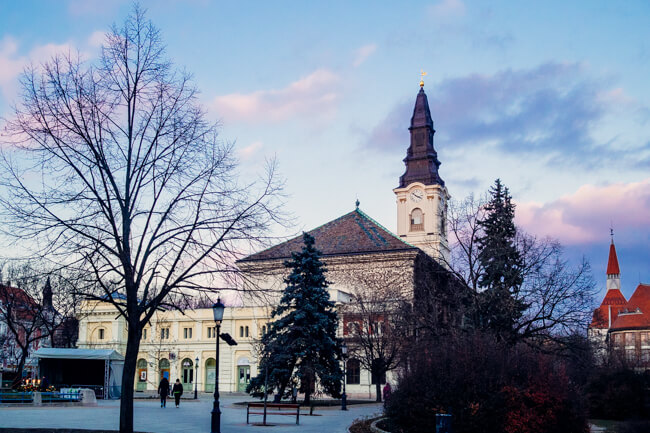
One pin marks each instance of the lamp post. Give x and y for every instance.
(217, 310)
(344, 356)
(196, 377)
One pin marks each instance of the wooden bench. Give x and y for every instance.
(273, 409)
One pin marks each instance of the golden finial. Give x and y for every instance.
(422, 74)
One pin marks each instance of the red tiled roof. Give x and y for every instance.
(636, 313)
(612, 263)
(614, 299)
(352, 233)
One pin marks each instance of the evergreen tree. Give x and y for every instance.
(301, 341)
(499, 308)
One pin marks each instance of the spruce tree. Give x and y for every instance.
(499, 308)
(301, 341)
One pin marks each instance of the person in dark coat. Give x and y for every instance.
(163, 390)
(177, 391)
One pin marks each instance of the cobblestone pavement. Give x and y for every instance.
(192, 417)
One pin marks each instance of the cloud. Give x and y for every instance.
(97, 38)
(12, 62)
(447, 9)
(584, 217)
(363, 53)
(317, 93)
(251, 150)
(550, 111)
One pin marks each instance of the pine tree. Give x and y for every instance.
(499, 308)
(301, 341)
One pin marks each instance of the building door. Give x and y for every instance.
(141, 378)
(163, 367)
(244, 377)
(188, 375)
(210, 374)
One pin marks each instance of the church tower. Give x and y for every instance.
(421, 195)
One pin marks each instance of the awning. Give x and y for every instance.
(58, 353)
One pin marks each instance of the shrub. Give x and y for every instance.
(487, 386)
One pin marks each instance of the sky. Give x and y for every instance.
(551, 97)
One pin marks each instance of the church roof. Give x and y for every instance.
(352, 233)
(636, 313)
(614, 299)
(612, 263)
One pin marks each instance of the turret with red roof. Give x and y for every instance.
(614, 301)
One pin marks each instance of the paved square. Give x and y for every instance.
(192, 417)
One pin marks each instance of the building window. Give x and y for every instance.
(212, 332)
(629, 339)
(246, 331)
(144, 334)
(164, 334)
(100, 333)
(187, 333)
(241, 332)
(353, 372)
(417, 220)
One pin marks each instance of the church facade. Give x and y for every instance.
(356, 249)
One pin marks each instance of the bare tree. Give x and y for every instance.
(33, 308)
(375, 327)
(115, 171)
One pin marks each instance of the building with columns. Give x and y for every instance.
(355, 248)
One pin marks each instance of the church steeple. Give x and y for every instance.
(421, 195)
(421, 158)
(613, 271)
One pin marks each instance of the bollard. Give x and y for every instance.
(38, 399)
(88, 397)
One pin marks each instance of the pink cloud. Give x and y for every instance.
(363, 53)
(315, 93)
(448, 9)
(585, 216)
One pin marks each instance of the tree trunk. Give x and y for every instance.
(378, 389)
(21, 366)
(128, 378)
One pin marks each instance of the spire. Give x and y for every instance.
(47, 295)
(421, 158)
(612, 263)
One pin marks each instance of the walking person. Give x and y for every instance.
(177, 391)
(163, 390)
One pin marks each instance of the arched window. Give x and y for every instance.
(141, 378)
(417, 220)
(101, 334)
(353, 372)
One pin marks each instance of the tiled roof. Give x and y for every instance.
(636, 313)
(614, 299)
(612, 263)
(353, 233)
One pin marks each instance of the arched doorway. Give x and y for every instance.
(243, 373)
(187, 376)
(210, 374)
(163, 367)
(141, 378)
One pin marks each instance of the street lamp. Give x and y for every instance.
(196, 377)
(217, 310)
(344, 356)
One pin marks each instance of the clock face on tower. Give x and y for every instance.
(417, 195)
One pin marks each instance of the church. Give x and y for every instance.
(355, 248)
